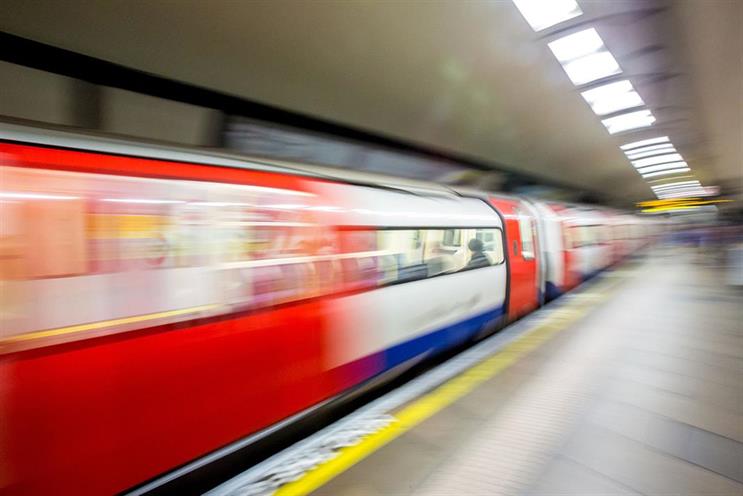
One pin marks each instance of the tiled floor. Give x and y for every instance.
(644, 395)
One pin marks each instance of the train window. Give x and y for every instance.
(486, 235)
(444, 252)
(589, 235)
(452, 237)
(597, 235)
(526, 229)
(568, 240)
(492, 244)
(359, 261)
(403, 249)
(580, 236)
(408, 255)
(593, 236)
(198, 247)
(573, 235)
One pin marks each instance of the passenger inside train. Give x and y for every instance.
(477, 257)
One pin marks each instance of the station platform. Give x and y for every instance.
(633, 385)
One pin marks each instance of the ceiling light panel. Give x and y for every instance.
(666, 179)
(612, 97)
(666, 172)
(651, 141)
(655, 168)
(683, 187)
(699, 191)
(684, 194)
(679, 184)
(541, 14)
(646, 151)
(649, 148)
(635, 156)
(584, 57)
(660, 159)
(591, 67)
(675, 183)
(630, 120)
(577, 45)
(678, 190)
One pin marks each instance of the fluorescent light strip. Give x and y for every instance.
(691, 187)
(631, 120)
(676, 183)
(654, 153)
(651, 141)
(542, 14)
(584, 57)
(690, 176)
(591, 68)
(666, 172)
(677, 197)
(676, 190)
(660, 167)
(612, 97)
(661, 159)
(651, 153)
(684, 194)
(678, 187)
(672, 186)
(643, 149)
(577, 45)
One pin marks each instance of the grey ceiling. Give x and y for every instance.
(467, 77)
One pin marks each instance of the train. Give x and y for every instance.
(160, 303)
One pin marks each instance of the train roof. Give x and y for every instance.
(57, 136)
(101, 143)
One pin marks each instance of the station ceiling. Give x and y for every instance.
(470, 78)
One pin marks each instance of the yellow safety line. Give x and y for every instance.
(441, 397)
(102, 324)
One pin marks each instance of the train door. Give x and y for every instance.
(521, 242)
(551, 250)
(539, 234)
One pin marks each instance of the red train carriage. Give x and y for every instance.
(155, 310)
(158, 304)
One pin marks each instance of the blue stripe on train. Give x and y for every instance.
(552, 291)
(440, 339)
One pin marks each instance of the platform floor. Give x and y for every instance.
(641, 394)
